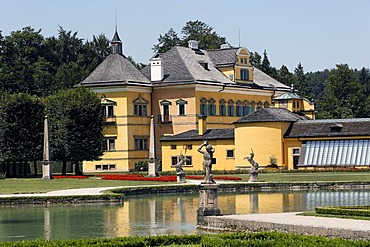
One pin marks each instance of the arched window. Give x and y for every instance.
(230, 108)
(246, 108)
(212, 107)
(266, 105)
(203, 107)
(239, 108)
(222, 107)
(253, 106)
(259, 105)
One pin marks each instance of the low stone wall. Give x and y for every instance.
(221, 224)
(243, 187)
(6, 201)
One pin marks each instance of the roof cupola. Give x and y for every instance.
(116, 44)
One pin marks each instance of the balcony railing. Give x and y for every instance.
(110, 119)
(164, 119)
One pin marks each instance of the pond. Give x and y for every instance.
(154, 214)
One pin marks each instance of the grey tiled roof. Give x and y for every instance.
(330, 128)
(223, 57)
(262, 79)
(210, 134)
(115, 70)
(288, 95)
(270, 115)
(182, 65)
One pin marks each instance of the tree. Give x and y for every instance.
(343, 94)
(76, 126)
(203, 33)
(167, 41)
(255, 59)
(139, 66)
(265, 65)
(21, 129)
(193, 30)
(300, 82)
(285, 76)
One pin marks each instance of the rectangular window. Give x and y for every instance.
(231, 77)
(189, 146)
(244, 74)
(246, 110)
(105, 167)
(140, 110)
(203, 109)
(109, 144)
(175, 160)
(173, 147)
(230, 110)
(212, 109)
(229, 153)
(239, 110)
(222, 110)
(141, 143)
(181, 109)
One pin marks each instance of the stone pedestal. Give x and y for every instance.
(152, 168)
(253, 176)
(208, 205)
(46, 171)
(181, 177)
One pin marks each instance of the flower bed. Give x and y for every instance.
(70, 176)
(216, 177)
(137, 177)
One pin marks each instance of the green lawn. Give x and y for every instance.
(37, 185)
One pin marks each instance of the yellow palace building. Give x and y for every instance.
(215, 95)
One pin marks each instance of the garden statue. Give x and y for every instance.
(179, 171)
(207, 162)
(182, 160)
(253, 172)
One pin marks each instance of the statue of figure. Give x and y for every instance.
(182, 160)
(207, 162)
(254, 169)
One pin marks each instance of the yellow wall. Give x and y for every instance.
(125, 129)
(266, 140)
(222, 162)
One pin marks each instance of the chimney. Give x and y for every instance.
(193, 44)
(156, 69)
(225, 46)
(202, 124)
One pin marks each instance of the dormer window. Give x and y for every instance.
(336, 127)
(244, 74)
(204, 64)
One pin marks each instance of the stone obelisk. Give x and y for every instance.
(46, 170)
(152, 162)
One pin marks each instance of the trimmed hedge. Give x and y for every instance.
(217, 240)
(345, 210)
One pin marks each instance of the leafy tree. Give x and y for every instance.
(316, 82)
(76, 126)
(300, 82)
(167, 41)
(343, 94)
(265, 65)
(364, 78)
(203, 33)
(193, 30)
(21, 128)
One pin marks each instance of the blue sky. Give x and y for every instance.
(317, 33)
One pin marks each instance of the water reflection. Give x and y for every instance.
(154, 215)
